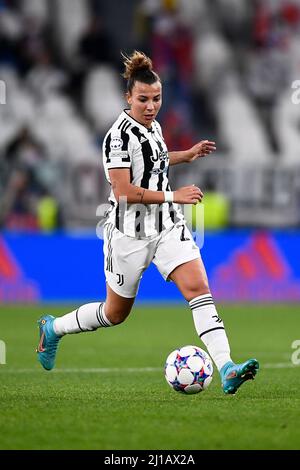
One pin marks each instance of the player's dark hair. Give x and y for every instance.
(138, 67)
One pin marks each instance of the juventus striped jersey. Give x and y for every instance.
(129, 144)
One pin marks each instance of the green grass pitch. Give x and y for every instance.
(109, 391)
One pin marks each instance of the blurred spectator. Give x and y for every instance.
(27, 206)
(59, 61)
(45, 78)
(10, 30)
(95, 46)
(290, 12)
(269, 66)
(18, 203)
(216, 207)
(170, 44)
(177, 133)
(26, 171)
(268, 74)
(235, 18)
(24, 150)
(34, 40)
(273, 20)
(48, 213)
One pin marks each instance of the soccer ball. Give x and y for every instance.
(189, 370)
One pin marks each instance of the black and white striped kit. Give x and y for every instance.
(129, 144)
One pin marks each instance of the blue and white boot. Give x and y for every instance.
(48, 343)
(234, 375)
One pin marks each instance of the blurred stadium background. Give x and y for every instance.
(228, 68)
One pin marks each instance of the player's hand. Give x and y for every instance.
(201, 149)
(188, 195)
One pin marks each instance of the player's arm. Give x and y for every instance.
(120, 181)
(201, 149)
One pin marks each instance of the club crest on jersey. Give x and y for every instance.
(116, 143)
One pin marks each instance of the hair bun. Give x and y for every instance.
(136, 62)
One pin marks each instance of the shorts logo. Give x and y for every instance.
(120, 281)
(116, 143)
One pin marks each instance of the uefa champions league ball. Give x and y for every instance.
(189, 370)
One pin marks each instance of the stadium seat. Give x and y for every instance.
(19, 108)
(240, 128)
(211, 57)
(66, 136)
(192, 13)
(71, 20)
(286, 125)
(102, 97)
(37, 9)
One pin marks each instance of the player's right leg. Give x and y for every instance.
(88, 317)
(125, 259)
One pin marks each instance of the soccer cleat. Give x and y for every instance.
(234, 375)
(47, 346)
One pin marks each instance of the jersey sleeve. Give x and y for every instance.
(117, 150)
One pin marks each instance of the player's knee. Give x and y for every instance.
(116, 317)
(196, 289)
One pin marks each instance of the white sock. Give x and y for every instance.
(210, 329)
(88, 317)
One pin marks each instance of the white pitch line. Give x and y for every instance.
(105, 370)
(93, 370)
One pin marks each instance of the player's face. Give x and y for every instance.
(145, 102)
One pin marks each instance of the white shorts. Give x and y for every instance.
(126, 258)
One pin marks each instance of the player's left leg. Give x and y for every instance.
(191, 280)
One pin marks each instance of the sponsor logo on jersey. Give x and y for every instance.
(116, 143)
(159, 156)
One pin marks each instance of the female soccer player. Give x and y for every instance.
(146, 224)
